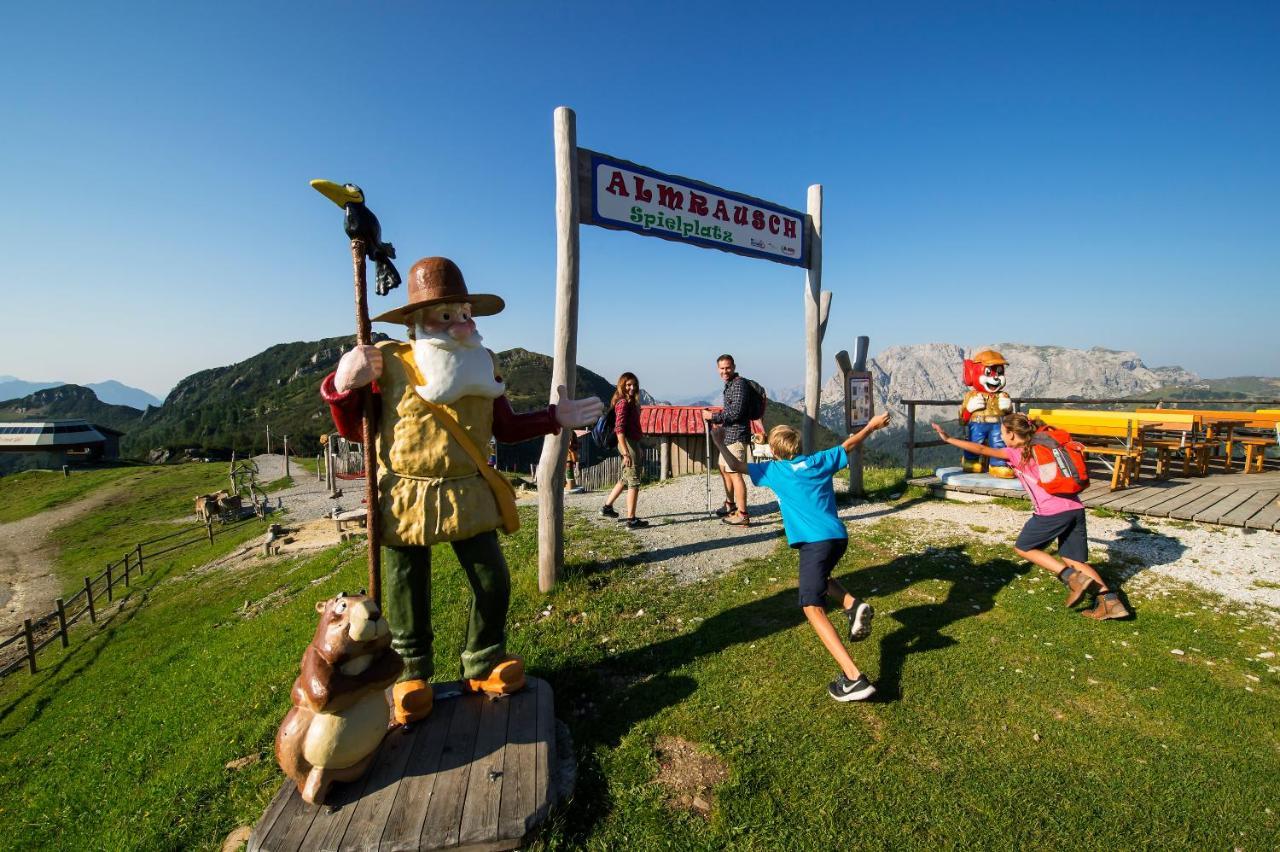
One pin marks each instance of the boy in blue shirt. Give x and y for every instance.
(808, 503)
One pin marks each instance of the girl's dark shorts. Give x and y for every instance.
(817, 559)
(1067, 528)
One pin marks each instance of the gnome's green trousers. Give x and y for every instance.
(406, 601)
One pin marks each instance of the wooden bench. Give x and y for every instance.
(1221, 427)
(1255, 450)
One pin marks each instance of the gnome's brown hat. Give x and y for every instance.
(433, 280)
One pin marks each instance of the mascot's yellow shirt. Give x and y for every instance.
(991, 413)
(429, 489)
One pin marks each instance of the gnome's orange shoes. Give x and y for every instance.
(411, 701)
(505, 678)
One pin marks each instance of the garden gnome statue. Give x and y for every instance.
(982, 408)
(440, 399)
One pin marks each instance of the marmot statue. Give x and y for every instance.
(340, 711)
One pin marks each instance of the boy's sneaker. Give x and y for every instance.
(843, 689)
(860, 615)
(608, 512)
(636, 523)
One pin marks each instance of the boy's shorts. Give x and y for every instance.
(817, 559)
(1068, 528)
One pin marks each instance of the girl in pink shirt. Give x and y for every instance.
(1054, 517)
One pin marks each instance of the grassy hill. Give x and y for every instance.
(67, 402)
(993, 703)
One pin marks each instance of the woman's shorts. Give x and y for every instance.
(630, 477)
(1067, 528)
(817, 559)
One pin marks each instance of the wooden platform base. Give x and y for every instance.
(476, 774)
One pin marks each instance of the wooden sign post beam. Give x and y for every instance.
(564, 369)
(817, 308)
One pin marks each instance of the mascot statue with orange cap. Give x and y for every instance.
(983, 407)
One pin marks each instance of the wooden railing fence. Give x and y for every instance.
(912, 444)
(602, 475)
(42, 631)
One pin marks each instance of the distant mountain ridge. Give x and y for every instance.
(111, 392)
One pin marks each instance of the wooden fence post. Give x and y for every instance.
(911, 439)
(62, 621)
(109, 595)
(127, 554)
(88, 594)
(31, 645)
(208, 526)
(138, 550)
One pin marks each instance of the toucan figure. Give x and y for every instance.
(361, 224)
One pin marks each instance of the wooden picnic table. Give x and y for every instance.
(1122, 437)
(1252, 430)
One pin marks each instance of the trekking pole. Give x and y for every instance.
(706, 429)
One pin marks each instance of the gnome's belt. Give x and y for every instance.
(434, 480)
(986, 418)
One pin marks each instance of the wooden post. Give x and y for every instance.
(664, 457)
(911, 439)
(88, 595)
(855, 463)
(813, 322)
(208, 527)
(62, 620)
(286, 456)
(126, 569)
(109, 594)
(369, 416)
(564, 370)
(268, 439)
(31, 644)
(138, 550)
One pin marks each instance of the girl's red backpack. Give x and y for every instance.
(1060, 461)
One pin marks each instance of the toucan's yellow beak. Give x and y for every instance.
(338, 193)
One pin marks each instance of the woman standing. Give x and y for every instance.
(626, 408)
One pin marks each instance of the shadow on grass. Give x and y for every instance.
(972, 591)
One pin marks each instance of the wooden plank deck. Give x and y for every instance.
(474, 775)
(1227, 499)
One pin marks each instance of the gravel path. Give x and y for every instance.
(1241, 565)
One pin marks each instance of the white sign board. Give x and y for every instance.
(631, 197)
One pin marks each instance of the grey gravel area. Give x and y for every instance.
(307, 499)
(684, 543)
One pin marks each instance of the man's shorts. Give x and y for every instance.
(738, 449)
(817, 559)
(1068, 528)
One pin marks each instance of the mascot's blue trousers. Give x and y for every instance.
(987, 434)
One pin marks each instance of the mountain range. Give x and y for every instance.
(110, 391)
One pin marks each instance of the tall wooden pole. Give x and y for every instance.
(369, 421)
(564, 369)
(813, 322)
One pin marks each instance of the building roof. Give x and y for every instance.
(679, 420)
(48, 435)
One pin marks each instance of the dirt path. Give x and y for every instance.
(28, 586)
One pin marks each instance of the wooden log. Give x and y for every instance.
(31, 645)
(564, 370)
(62, 621)
(88, 595)
(813, 322)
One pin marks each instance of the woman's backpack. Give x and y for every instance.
(1060, 461)
(602, 434)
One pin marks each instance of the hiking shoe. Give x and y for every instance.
(860, 615)
(636, 523)
(727, 509)
(741, 519)
(843, 689)
(1079, 584)
(1107, 605)
(608, 512)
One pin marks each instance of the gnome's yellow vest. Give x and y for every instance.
(429, 489)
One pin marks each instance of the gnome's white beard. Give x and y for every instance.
(453, 369)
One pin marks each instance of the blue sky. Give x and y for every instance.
(1056, 173)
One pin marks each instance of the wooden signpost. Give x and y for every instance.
(859, 404)
(609, 192)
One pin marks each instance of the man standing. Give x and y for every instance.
(737, 437)
(440, 399)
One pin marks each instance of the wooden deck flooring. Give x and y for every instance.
(1246, 500)
(476, 774)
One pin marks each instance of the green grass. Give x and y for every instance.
(34, 491)
(1004, 720)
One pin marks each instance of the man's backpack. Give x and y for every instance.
(755, 402)
(1060, 461)
(602, 434)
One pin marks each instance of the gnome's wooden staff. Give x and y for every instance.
(366, 241)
